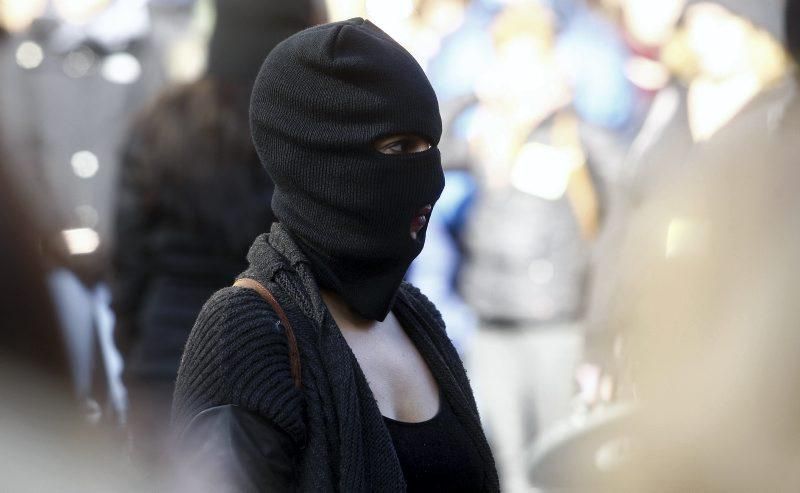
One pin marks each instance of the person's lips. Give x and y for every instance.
(420, 220)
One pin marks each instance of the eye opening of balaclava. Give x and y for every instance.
(396, 144)
(322, 99)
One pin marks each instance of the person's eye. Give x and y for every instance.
(406, 144)
(401, 146)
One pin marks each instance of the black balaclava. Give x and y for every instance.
(321, 100)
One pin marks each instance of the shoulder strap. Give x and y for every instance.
(294, 353)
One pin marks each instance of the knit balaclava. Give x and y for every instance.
(321, 100)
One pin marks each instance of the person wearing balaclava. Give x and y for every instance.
(347, 126)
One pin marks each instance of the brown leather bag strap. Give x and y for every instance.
(294, 353)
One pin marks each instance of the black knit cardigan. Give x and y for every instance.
(237, 354)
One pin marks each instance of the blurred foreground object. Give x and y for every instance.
(46, 443)
(704, 305)
(712, 84)
(712, 330)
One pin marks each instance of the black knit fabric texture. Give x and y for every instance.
(436, 455)
(321, 100)
(237, 354)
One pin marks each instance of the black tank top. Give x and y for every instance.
(436, 455)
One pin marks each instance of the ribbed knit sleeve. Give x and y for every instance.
(238, 354)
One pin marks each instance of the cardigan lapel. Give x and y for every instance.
(366, 458)
(424, 335)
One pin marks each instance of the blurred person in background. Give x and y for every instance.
(192, 197)
(527, 238)
(321, 370)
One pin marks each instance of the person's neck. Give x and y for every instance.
(343, 315)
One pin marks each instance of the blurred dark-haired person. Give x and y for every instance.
(192, 197)
(321, 370)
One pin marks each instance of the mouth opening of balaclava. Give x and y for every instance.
(321, 100)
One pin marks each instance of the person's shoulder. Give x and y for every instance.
(238, 354)
(234, 301)
(237, 324)
(228, 314)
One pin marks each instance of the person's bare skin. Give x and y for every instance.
(397, 374)
(399, 378)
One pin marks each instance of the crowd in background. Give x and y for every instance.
(612, 253)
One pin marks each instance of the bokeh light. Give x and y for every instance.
(544, 170)
(17, 15)
(121, 68)
(651, 22)
(81, 241)
(85, 164)
(79, 62)
(29, 55)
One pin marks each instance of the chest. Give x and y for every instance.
(396, 372)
